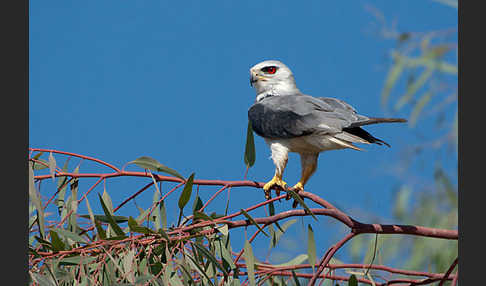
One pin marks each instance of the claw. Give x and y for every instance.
(276, 183)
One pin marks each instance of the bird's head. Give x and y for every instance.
(272, 78)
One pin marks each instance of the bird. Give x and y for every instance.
(290, 121)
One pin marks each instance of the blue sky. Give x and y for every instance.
(169, 79)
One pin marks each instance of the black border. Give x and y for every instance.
(471, 142)
(15, 139)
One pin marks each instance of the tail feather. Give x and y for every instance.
(375, 120)
(364, 135)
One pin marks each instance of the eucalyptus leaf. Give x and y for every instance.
(186, 192)
(154, 165)
(210, 257)
(253, 222)
(296, 197)
(250, 262)
(35, 197)
(112, 222)
(353, 281)
(311, 247)
(249, 158)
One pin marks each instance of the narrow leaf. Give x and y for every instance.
(76, 260)
(56, 242)
(311, 247)
(134, 227)
(71, 235)
(424, 99)
(198, 268)
(392, 77)
(112, 222)
(413, 88)
(202, 216)
(253, 221)
(103, 218)
(249, 147)
(353, 281)
(186, 192)
(279, 233)
(154, 165)
(36, 200)
(250, 262)
(295, 261)
(296, 279)
(52, 166)
(210, 257)
(296, 197)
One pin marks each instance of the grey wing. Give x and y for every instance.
(299, 115)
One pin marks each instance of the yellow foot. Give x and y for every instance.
(299, 187)
(277, 183)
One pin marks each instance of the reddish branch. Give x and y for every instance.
(182, 232)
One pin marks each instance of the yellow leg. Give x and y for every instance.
(306, 174)
(309, 166)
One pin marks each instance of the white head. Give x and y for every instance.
(272, 78)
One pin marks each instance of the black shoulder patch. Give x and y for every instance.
(270, 123)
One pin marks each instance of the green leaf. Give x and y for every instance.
(101, 231)
(353, 281)
(76, 260)
(294, 261)
(296, 197)
(311, 246)
(413, 88)
(197, 205)
(224, 253)
(52, 166)
(223, 229)
(393, 75)
(250, 262)
(186, 192)
(71, 235)
(164, 235)
(202, 216)
(271, 210)
(154, 165)
(56, 242)
(103, 218)
(38, 166)
(210, 257)
(424, 99)
(156, 212)
(253, 221)
(198, 268)
(249, 147)
(42, 280)
(296, 279)
(134, 227)
(112, 222)
(278, 233)
(35, 197)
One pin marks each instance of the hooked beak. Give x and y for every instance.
(254, 77)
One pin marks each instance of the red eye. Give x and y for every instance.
(269, 70)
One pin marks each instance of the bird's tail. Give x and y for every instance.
(375, 120)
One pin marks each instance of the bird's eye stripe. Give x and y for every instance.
(269, 70)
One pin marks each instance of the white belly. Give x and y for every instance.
(313, 143)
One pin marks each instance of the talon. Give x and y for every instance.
(276, 183)
(299, 187)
